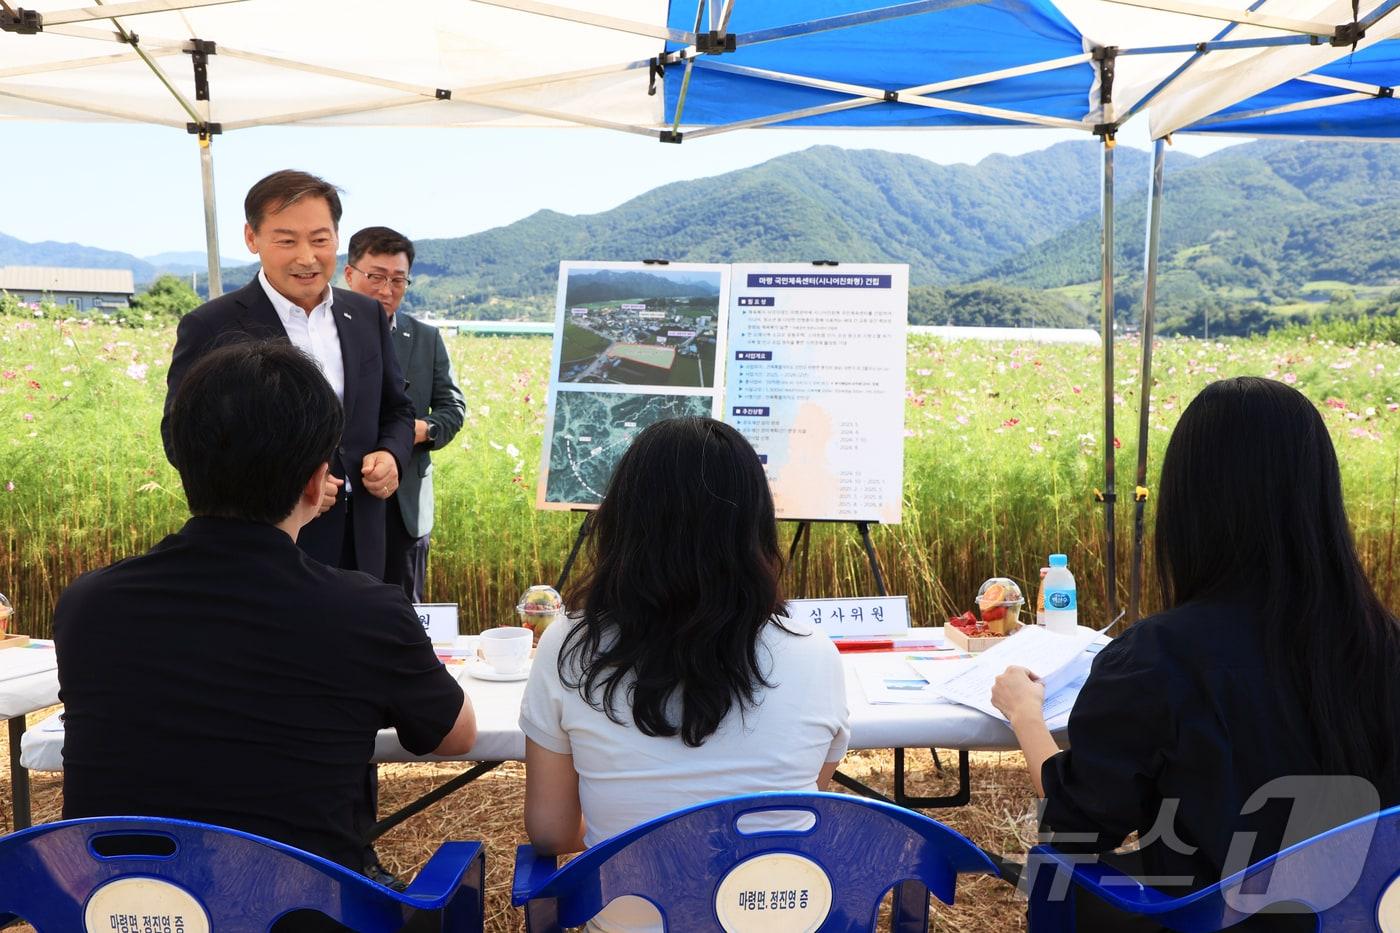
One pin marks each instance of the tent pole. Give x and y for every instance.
(1149, 312)
(1110, 539)
(211, 214)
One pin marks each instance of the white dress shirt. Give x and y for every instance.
(315, 334)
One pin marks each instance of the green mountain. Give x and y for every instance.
(1253, 236)
(1250, 234)
(948, 222)
(1246, 233)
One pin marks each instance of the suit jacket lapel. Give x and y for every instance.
(345, 321)
(403, 342)
(259, 317)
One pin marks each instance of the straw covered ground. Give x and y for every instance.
(1000, 818)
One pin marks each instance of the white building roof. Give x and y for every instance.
(55, 279)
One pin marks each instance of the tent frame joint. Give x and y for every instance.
(204, 130)
(442, 93)
(656, 68)
(1106, 56)
(1386, 92)
(21, 22)
(891, 97)
(1348, 34)
(199, 51)
(1107, 131)
(715, 42)
(671, 136)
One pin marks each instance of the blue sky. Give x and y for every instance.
(137, 188)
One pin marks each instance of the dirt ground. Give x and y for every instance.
(1000, 818)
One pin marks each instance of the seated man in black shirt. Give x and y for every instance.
(224, 676)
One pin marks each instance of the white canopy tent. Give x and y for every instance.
(669, 71)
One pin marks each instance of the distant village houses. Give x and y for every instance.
(78, 289)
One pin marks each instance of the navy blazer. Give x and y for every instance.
(378, 413)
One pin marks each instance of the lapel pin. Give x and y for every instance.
(347, 315)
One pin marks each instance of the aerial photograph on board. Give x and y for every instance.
(593, 429)
(656, 327)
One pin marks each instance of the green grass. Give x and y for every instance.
(1002, 456)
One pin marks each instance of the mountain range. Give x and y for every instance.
(16, 252)
(1253, 230)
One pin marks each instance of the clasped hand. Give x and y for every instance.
(379, 473)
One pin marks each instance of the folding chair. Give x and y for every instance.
(135, 874)
(1348, 876)
(710, 867)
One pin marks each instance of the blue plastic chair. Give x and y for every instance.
(1349, 876)
(52, 874)
(696, 861)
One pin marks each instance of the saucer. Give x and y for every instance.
(483, 671)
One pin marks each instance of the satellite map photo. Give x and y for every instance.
(653, 328)
(591, 431)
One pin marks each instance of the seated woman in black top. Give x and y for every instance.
(1274, 664)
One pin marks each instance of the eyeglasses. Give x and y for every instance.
(377, 279)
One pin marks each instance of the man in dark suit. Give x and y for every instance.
(292, 226)
(378, 265)
(224, 675)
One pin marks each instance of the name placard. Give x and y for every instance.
(854, 616)
(439, 620)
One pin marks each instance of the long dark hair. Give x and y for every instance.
(685, 575)
(1251, 507)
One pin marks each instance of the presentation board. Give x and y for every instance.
(806, 361)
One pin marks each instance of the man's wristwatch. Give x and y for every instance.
(432, 432)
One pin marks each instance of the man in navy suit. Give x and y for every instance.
(377, 266)
(292, 226)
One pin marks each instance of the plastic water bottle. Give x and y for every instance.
(1061, 599)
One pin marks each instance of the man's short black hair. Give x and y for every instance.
(281, 190)
(379, 241)
(250, 424)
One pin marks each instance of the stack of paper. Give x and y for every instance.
(1060, 661)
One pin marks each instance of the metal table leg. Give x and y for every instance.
(19, 776)
(960, 798)
(430, 798)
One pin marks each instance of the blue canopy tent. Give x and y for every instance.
(1001, 63)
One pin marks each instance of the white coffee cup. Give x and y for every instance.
(506, 649)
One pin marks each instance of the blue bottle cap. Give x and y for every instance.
(1059, 560)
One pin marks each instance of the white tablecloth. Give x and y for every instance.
(497, 705)
(28, 679)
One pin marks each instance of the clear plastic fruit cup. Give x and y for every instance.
(999, 602)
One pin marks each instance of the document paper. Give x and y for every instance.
(1060, 661)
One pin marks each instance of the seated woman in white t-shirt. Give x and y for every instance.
(676, 680)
